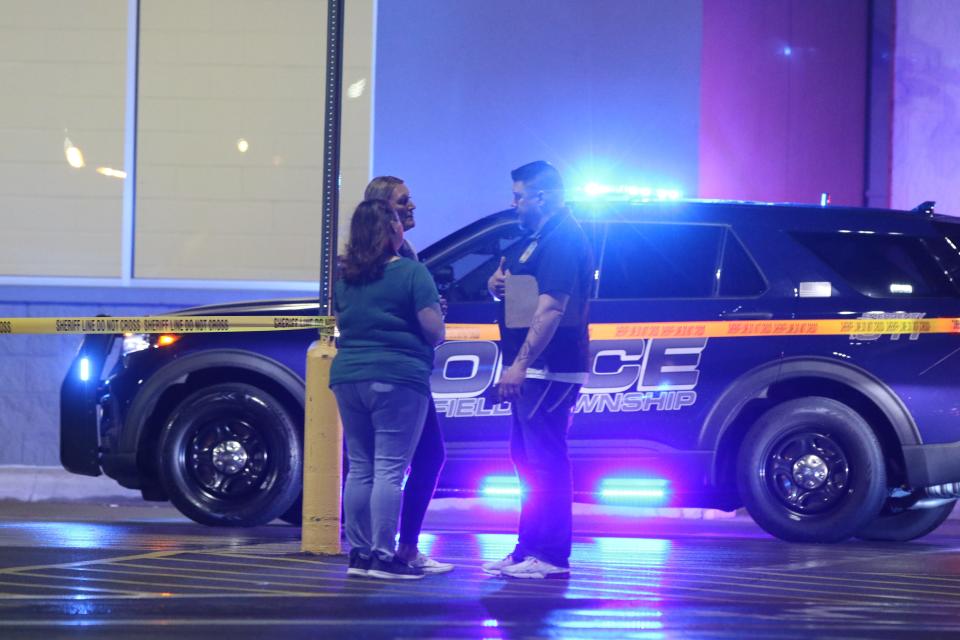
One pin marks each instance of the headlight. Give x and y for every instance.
(133, 342)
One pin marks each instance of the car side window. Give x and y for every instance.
(462, 277)
(881, 266)
(739, 276)
(652, 260)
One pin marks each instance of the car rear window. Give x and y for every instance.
(947, 250)
(884, 265)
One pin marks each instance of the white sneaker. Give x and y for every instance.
(494, 568)
(429, 565)
(536, 569)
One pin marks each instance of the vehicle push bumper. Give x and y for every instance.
(79, 435)
(932, 464)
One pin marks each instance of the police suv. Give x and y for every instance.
(821, 435)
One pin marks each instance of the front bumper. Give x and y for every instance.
(79, 424)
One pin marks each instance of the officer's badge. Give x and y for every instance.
(528, 252)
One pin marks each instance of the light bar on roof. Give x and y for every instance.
(596, 190)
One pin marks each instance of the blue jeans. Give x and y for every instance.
(538, 445)
(381, 425)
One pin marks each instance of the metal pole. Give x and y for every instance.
(331, 153)
(323, 437)
(128, 233)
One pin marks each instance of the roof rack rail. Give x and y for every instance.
(925, 207)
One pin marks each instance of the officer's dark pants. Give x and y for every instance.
(538, 446)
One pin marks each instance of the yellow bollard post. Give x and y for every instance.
(322, 456)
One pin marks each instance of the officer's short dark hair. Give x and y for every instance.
(540, 175)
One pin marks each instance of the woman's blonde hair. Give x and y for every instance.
(381, 188)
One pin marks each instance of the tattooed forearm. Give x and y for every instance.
(543, 326)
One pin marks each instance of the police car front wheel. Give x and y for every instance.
(230, 455)
(811, 470)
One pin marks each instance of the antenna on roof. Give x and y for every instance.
(925, 208)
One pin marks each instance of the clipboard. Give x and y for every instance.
(520, 300)
(520, 297)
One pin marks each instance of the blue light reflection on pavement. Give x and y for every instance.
(614, 592)
(74, 535)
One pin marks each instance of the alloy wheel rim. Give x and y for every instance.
(807, 472)
(228, 460)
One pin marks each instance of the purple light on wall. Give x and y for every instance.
(783, 100)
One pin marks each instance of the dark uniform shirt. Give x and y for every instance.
(559, 258)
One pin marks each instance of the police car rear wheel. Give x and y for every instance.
(811, 470)
(230, 456)
(906, 525)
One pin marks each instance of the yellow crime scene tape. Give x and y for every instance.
(737, 328)
(599, 331)
(760, 328)
(164, 324)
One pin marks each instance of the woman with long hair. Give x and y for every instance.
(396, 193)
(389, 318)
(431, 453)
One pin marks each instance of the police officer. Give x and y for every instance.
(544, 295)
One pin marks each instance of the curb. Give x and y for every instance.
(38, 484)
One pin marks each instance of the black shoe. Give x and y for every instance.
(393, 569)
(359, 564)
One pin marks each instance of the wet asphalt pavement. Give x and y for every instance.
(141, 571)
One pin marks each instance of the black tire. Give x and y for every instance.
(230, 455)
(294, 515)
(811, 470)
(906, 525)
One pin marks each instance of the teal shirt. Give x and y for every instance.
(380, 336)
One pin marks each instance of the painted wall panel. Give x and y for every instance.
(212, 74)
(62, 76)
(783, 100)
(926, 112)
